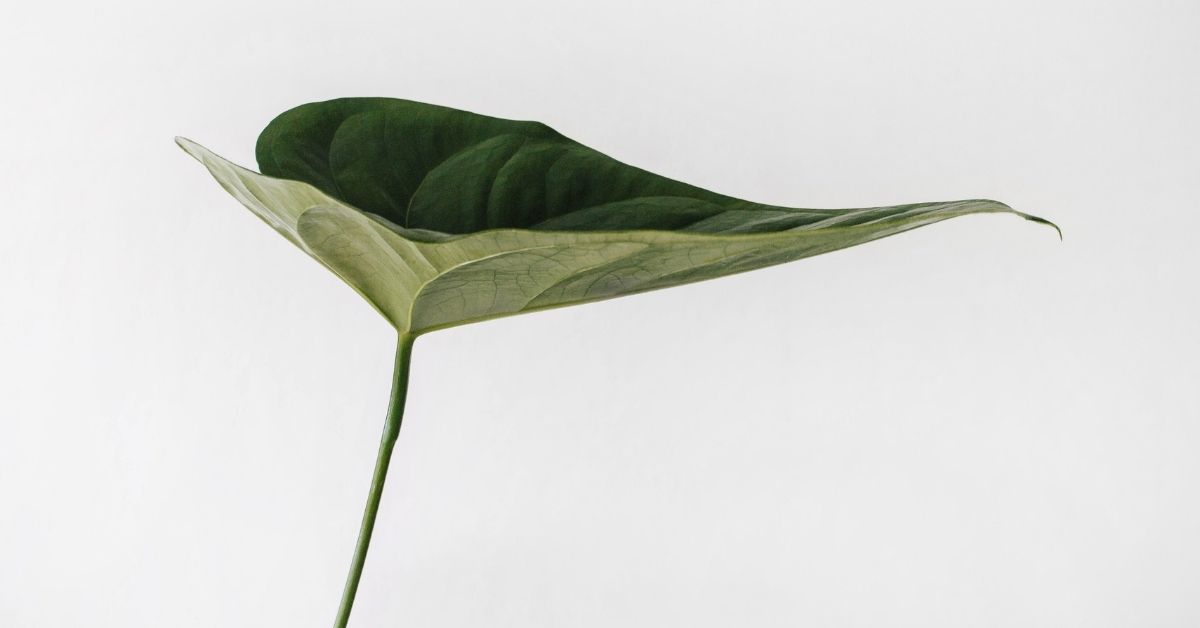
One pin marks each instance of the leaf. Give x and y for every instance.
(439, 217)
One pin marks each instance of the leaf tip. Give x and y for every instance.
(1040, 221)
(188, 146)
(1043, 221)
(1030, 217)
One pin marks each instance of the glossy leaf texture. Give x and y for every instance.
(440, 217)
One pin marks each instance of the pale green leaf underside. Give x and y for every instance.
(421, 280)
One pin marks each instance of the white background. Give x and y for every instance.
(973, 424)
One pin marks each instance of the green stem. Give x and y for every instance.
(391, 429)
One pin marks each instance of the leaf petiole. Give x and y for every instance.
(391, 429)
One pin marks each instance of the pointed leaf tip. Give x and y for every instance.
(188, 146)
(1043, 221)
(1030, 217)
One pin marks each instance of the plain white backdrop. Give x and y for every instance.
(972, 424)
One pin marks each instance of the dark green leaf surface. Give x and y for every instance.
(440, 217)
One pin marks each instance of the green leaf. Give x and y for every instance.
(439, 217)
